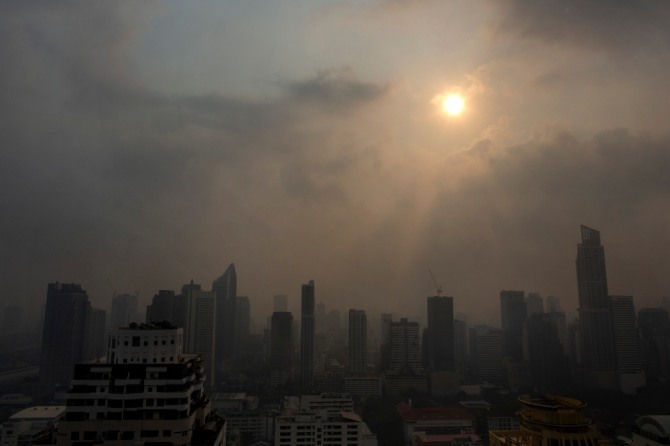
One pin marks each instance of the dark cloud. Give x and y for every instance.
(336, 90)
(599, 23)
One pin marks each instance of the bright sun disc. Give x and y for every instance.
(453, 105)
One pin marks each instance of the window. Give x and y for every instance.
(74, 436)
(136, 341)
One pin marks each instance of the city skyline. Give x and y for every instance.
(145, 145)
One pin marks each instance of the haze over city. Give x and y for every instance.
(147, 144)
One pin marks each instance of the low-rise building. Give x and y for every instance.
(450, 420)
(32, 426)
(345, 429)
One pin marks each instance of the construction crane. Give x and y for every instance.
(438, 288)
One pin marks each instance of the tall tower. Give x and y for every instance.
(124, 310)
(307, 335)
(441, 354)
(513, 316)
(225, 288)
(627, 344)
(200, 328)
(281, 348)
(63, 337)
(358, 341)
(597, 342)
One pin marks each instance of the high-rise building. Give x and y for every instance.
(358, 341)
(242, 323)
(513, 317)
(461, 346)
(124, 310)
(280, 303)
(281, 348)
(654, 324)
(486, 353)
(166, 306)
(597, 341)
(225, 288)
(440, 334)
(96, 331)
(545, 355)
(147, 392)
(534, 304)
(64, 334)
(553, 305)
(626, 344)
(307, 335)
(200, 328)
(405, 373)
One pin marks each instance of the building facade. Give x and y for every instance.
(307, 306)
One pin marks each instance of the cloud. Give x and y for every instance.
(336, 90)
(603, 24)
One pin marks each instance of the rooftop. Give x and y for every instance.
(39, 412)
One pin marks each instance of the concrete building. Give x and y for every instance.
(358, 342)
(598, 358)
(626, 335)
(146, 392)
(225, 288)
(486, 353)
(344, 429)
(440, 332)
(66, 323)
(461, 346)
(33, 425)
(330, 403)
(405, 374)
(446, 420)
(200, 327)
(364, 386)
(534, 304)
(124, 310)
(307, 306)
(549, 420)
(513, 314)
(281, 349)
(654, 325)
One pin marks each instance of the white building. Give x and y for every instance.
(31, 424)
(145, 393)
(345, 429)
(330, 403)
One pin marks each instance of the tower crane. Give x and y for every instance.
(438, 288)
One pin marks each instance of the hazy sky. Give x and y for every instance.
(143, 144)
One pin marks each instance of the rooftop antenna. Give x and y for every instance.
(438, 288)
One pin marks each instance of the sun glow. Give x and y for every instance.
(453, 104)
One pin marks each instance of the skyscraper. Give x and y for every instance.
(225, 288)
(242, 323)
(358, 341)
(124, 310)
(597, 342)
(626, 344)
(200, 328)
(486, 352)
(461, 346)
(307, 335)
(513, 316)
(440, 343)
(64, 334)
(281, 348)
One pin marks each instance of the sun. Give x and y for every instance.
(453, 105)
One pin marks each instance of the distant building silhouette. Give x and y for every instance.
(225, 288)
(242, 323)
(124, 310)
(307, 335)
(200, 327)
(279, 303)
(167, 306)
(486, 353)
(358, 341)
(654, 325)
(461, 346)
(440, 343)
(546, 358)
(406, 373)
(597, 340)
(534, 304)
(281, 348)
(96, 333)
(64, 335)
(626, 344)
(513, 317)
